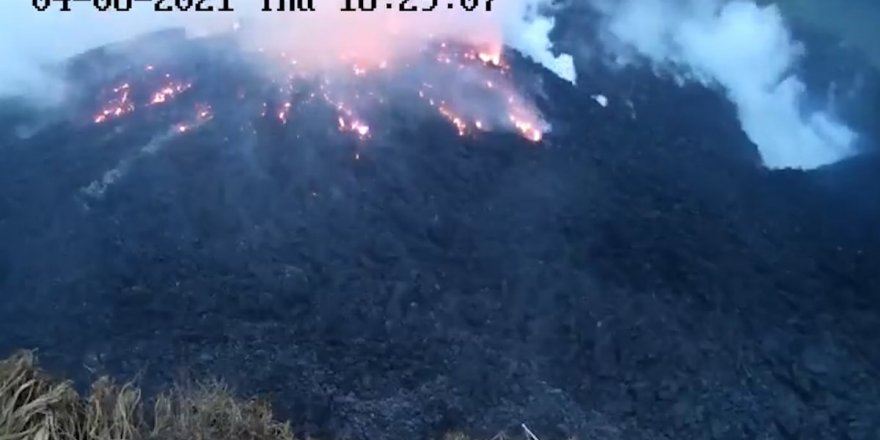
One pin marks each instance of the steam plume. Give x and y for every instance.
(745, 49)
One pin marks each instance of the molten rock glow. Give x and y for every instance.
(469, 87)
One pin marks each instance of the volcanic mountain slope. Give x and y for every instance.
(635, 274)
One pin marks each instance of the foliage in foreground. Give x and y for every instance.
(36, 406)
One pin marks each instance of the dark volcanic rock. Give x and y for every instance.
(636, 275)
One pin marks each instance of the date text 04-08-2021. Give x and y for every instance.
(270, 5)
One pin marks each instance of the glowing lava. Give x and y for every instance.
(471, 88)
(490, 58)
(121, 103)
(116, 106)
(168, 92)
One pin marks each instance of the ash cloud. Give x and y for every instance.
(746, 50)
(32, 41)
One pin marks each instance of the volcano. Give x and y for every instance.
(598, 266)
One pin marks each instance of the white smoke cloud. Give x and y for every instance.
(30, 39)
(528, 28)
(748, 51)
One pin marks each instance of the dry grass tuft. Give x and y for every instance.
(113, 412)
(208, 411)
(34, 406)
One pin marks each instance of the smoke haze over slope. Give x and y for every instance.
(740, 47)
(30, 40)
